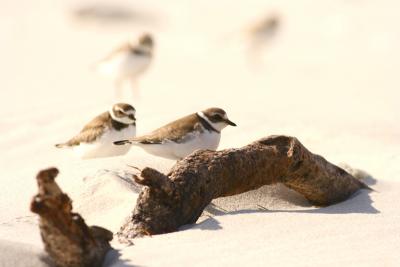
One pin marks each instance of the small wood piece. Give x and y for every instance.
(67, 239)
(178, 198)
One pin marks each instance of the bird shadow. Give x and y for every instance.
(360, 202)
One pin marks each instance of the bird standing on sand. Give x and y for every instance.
(97, 137)
(128, 62)
(176, 140)
(261, 34)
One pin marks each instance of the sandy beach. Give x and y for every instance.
(328, 76)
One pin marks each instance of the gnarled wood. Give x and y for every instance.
(68, 240)
(178, 198)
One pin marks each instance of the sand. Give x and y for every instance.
(329, 77)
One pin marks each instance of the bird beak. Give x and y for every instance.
(231, 123)
(132, 117)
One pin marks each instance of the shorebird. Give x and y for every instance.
(97, 137)
(264, 29)
(128, 62)
(261, 34)
(176, 140)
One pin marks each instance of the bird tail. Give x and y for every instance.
(122, 142)
(60, 145)
(101, 66)
(97, 66)
(137, 142)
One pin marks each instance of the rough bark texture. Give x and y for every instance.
(68, 240)
(178, 198)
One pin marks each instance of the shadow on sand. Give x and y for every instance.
(113, 14)
(360, 202)
(113, 259)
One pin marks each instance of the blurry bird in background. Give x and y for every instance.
(260, 34)
(264, 29)
(127, 63)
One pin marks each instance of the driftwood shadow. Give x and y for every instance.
(113, 259)
(211, 223)
(360, 202)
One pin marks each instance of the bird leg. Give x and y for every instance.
(134, 87)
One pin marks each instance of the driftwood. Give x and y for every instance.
(178, 198)
(68, 240)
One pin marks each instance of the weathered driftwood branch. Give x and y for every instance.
(68, 240)
(178, 198)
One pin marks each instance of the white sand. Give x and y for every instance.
(330, 78)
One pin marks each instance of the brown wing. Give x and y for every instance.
(91, 131)
(176, 131)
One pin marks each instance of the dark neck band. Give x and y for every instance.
(206, 124)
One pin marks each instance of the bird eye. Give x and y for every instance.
(217, 117)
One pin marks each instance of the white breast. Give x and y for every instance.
(125, 64)
(172, 150)
(104, 147)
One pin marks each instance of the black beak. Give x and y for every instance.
(132, 117)
(231, 123)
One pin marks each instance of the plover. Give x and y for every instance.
(128, 62)
(261, 34)
(264, 29)
(97, 137)
(176, 140)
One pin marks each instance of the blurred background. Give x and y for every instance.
(324, 71)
